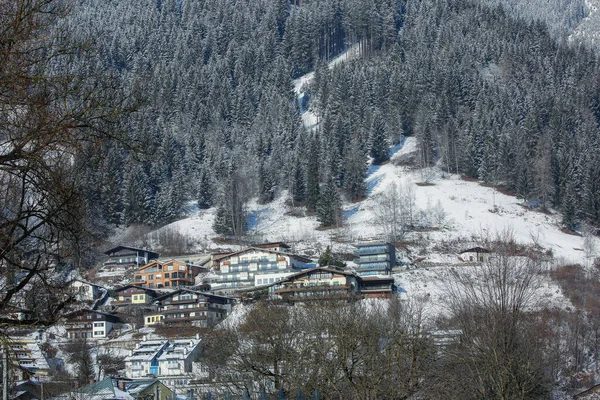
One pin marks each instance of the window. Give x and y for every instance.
(259, 281)
(271, 280)
(167, 284)
(170, 267)
(182, 268)
(167, 275)
(151, 276)
(98, 324)
(151, 285)
(89, 316)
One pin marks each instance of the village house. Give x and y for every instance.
(239, 269)
(189, 307)
(374, 259)
(133, 295)
(166, 274)
(475, 254)
(86, 291)
(318, 284)
(123, 258)
(90, 324)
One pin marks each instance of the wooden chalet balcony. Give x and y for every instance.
(185, 301)
(319, 288)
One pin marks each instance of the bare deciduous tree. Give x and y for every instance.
(500, 355)
(50, 111)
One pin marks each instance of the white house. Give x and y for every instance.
(86, 291)
(177, 358)
(475, 254)
(143, 360)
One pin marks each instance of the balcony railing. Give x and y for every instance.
(371, 250)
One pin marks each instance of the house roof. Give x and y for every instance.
(108, 316)
(218, 257)
(103, 390)
(176, 292)
(147, 290)
(476, 250)
(119, 248)
(271, 244)
(322, 269)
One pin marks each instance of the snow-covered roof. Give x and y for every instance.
(179, 349)
(147, 350)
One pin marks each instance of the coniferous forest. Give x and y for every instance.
(489, 93)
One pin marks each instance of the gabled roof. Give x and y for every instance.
(87, 310)
(300, 258)
(321, 269)
(271, 244)
(103, 390)
(130, 285)
(476, 250)
(197, 292)
(119, 248)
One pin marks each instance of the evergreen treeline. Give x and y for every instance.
(486, 95)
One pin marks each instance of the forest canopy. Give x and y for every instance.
(487, 95)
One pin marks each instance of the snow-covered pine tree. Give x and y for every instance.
(137, 201)
(378, 141)
(329, 207)
(204, 189)
(355, 171)
(312, 176)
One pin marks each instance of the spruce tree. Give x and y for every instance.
(378, 142)
(355, 172)
(329, 207)
(312, 177)
(204, 192)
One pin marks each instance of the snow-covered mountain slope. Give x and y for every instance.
(465, 210)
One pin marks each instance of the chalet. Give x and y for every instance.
(166, 274)
(90, 324)
(374, 259)
(86, 291)
(133, 295)
(318, 284)
(239, 269)
(123, 258)
(189, 307)
(475, 254)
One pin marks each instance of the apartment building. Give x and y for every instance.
(374, 259)
(166, 274)
(123, 258)
(189, 307)
(90, 324)
(318, 284)
(241, 269)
